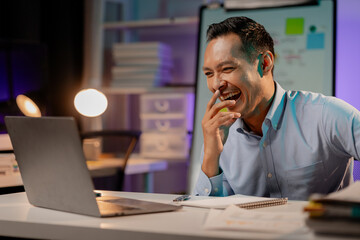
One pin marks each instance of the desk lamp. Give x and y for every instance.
(27, 106)
(90, 102)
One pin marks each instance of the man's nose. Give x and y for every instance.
(219, 84)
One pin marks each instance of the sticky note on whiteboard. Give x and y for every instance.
(294, 26)
(315, 41)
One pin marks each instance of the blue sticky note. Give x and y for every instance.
(315, 41)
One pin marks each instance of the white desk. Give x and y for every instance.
(19, 219)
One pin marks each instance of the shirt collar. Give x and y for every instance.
(277, 107)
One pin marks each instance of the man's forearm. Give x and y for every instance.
(210, 165)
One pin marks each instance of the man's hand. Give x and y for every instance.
(215, 126)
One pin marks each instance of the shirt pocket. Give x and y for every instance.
(304, 181)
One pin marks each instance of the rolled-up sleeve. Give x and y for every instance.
(209, 186)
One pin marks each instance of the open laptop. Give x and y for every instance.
(54, 171)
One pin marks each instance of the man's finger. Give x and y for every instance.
(213, 99)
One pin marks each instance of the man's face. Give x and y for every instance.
(227, 69)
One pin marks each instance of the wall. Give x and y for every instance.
(348, 46)
(57, 25)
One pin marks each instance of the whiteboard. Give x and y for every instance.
(304, 42)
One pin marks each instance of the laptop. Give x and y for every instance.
(54, 171)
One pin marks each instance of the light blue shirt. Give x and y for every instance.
(307, 147)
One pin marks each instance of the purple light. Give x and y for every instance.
(348, 46)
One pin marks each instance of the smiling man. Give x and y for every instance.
(260, 139)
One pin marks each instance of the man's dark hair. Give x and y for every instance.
(255, 39)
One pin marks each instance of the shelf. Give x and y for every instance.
(139, 90)
(162, 22)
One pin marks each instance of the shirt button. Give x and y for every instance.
(269, 175)
(264, 144)
(206, 190)
(216, 189)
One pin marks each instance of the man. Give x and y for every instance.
(268, 142)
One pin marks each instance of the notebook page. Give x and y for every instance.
(223, 202)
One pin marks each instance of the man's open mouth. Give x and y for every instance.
(230, 96)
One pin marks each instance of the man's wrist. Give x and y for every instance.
(210, 171)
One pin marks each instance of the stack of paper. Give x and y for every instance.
(141, 64)
(338, 212)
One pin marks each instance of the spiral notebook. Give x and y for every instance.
(242, 201)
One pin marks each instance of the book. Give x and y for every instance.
(155, 78)
(134, 70)
(333, 210)
(334, 226)
(337, 212)
(133, 53)
(342, 204)
(141, 75)
(242, 201)
(141, 46)
(350, 194)
(144, 62)
(157, 82)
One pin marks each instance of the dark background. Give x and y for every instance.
(43, 41)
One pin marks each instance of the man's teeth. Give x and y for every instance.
(229, 95)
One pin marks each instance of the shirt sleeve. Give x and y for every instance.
(214, 186)
(209, 186)
(342, 123)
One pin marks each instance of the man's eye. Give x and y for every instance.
(228, 69)
(208, 74)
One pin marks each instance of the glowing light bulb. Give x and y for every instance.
(90, 102)
(30, 107)
(27, 106)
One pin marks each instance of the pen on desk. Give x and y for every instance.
(182, 198)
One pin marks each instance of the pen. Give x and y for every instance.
(182, 198)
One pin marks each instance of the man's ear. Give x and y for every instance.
(267, 62)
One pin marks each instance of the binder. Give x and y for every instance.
(335, 213)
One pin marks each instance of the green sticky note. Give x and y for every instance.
(294, 26)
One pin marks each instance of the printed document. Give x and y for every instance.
(235, 218)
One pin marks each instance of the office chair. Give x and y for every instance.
(133, 136)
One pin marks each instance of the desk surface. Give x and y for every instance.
(20, 219)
